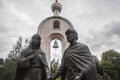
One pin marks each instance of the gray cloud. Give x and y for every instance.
(114, 28)
(97, 23)
(13, 23)
(105, 39)
(89, 17)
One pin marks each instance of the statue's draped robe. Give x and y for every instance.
(26, 70)
(77, 57)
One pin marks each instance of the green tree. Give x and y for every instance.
(53, 67)
(106, 76)
(99, 68)
(1, 61)
(1, 65)
(110, 64)
(7, 71)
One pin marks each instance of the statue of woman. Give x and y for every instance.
(32, 64)
(77, 62)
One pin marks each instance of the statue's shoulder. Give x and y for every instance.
(25, 51)
(82, 45)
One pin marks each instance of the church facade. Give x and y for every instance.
(53, 27)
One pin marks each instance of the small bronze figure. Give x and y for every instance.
(32, 64)
(77, 62)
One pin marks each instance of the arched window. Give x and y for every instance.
(56, 24)
(56, 50)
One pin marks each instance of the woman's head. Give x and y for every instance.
(36, 40)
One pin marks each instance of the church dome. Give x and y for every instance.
(56, 6)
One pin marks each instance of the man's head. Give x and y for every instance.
(36, 40)
(71, 34)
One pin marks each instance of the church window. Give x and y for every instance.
(56, 24)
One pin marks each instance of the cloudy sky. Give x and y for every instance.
(96, 21)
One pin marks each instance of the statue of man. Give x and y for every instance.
(77, 62)
(32, 64)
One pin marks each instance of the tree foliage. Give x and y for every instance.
(54, 66)
(1, 61)
(110, 65)
(8, 69)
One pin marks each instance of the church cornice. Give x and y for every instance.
(55, 17)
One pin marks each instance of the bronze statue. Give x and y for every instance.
(77, 62)
(32, 64)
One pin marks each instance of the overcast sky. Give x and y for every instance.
(96, 21)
